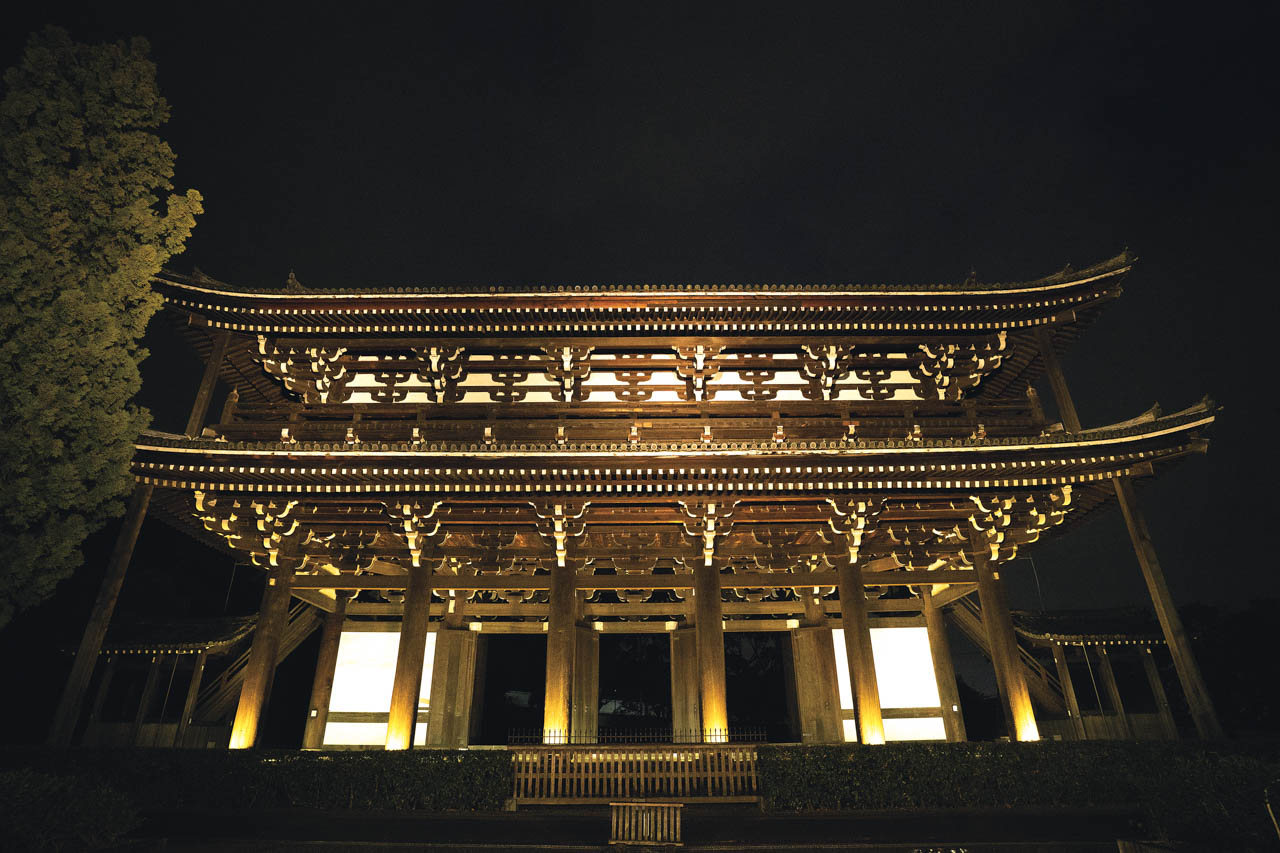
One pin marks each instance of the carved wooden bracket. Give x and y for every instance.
(1008, 522)
(418, 522)
(696, 367)
(263, 529)
(313, 373)
(852, 519)
(709, 520)
(946, 371)
(560, 521)
(824, 365)
(442, 369)
(568, 367)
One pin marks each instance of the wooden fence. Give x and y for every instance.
(588, 774)
(645, 823)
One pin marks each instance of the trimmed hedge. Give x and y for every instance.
(43, 812)
(413, 780)
(1210, 796)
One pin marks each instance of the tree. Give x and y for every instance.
(87, 217)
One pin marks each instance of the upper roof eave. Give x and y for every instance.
(213, 289)
(1149, 425)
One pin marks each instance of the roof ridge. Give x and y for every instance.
(1067, 274)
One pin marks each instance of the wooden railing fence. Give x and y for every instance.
(583, 774)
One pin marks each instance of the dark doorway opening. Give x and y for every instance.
(515, 676)
(635, 686)
(759, 696)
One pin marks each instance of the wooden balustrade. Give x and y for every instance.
(589, 774)
(645, 823)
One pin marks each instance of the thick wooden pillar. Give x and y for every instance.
(104, 685)
(411, 654)
(1113, 691)
(813, 666)
(200, 408)
(1157, 691)
(1057, 381)
(260, 670)
(193, 693)
(686, 714)
(817, 686)
(557, 714)
(1184, 661)
(585, 718)
(453, 678)
(68, 713)
(857, 643)
(326, 667)
(943, 668)
(147, 698)
(1068, 690)
(709, 630)
(1004, 647)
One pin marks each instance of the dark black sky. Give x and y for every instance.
(640, 142)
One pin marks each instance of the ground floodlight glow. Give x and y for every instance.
(362, 683)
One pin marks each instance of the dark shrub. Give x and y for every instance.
(43, 812)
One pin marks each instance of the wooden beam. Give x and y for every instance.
(1184, 661)
(1158, 693)
(740, 580)
(200, 408)
(561, 619)
(1057, 381)
(943, 669)
(584, 717)
(1068, 689)
(144, 701)
(709, 630)
(406, 686)
(259, 672)
(1113, 689)
(861, 661)
(326, 667)
(68, 713)
(686, 712)
(193, 693)
(781, 609)
(954, 593)
(998, 624)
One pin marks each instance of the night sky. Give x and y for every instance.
(730, 143)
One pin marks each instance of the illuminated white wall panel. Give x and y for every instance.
(905, 677)
(915, 728)
(362, 685)
(904, 668)
(365, 734)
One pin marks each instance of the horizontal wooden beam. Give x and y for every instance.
(741, 580)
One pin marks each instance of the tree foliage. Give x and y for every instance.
(87, 217)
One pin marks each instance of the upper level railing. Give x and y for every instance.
(648, 736)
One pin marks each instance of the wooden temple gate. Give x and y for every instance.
(571, 461)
